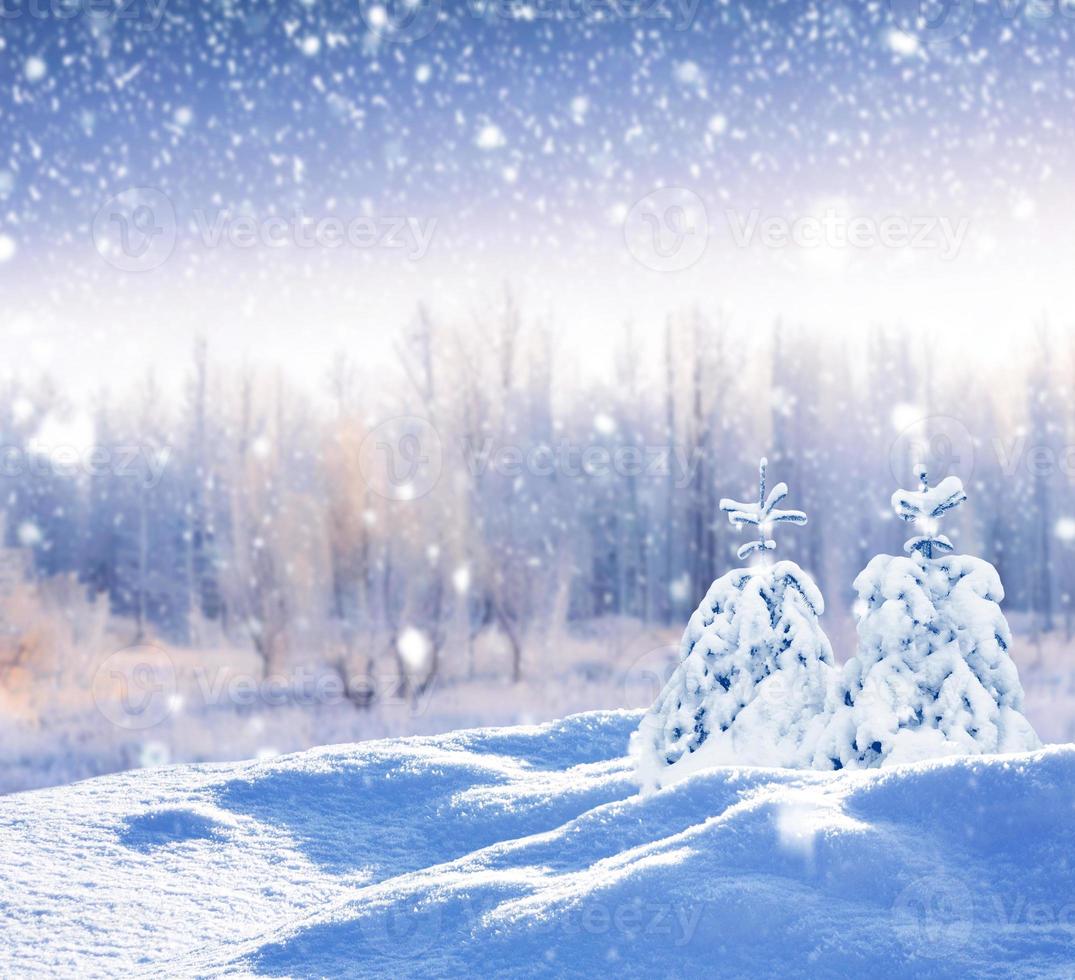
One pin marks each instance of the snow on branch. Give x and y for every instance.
(761, 514)
(925, 506)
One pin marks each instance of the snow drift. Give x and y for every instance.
(529, 852)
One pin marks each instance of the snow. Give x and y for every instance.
(924, 508)
(761, 514)
(35, 69)
(902, 43)
(414, 649)
(529, 852)
(1065, 529)
(490, 137)
(929, 502)
(461, 580)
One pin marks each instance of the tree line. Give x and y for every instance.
(485, 481)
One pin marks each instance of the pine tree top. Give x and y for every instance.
(761, 514)
(925, 506)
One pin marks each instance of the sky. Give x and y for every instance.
(293, 178)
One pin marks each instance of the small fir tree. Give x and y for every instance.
(932, 675)
(755, 671)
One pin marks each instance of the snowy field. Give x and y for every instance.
(528, 852)
(64, 736)
(60, 728)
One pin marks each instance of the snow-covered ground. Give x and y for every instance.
(528, 852)
(57, 729)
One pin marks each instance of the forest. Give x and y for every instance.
(485, 500)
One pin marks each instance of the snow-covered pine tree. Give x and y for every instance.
(932, 675)
(756, 670)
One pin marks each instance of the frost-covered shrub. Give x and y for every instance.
(755, 671)
(932, 675)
